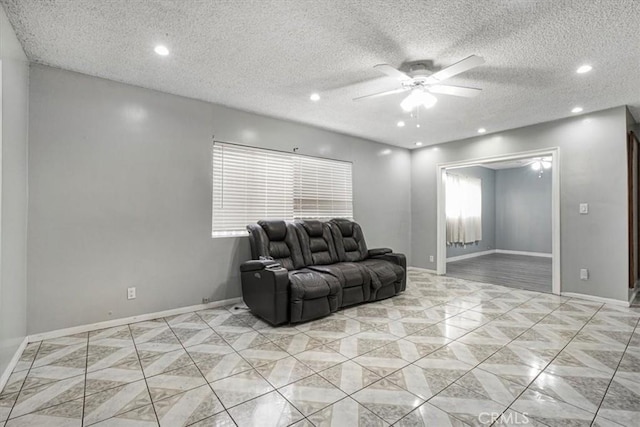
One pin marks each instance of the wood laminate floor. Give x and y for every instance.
(516, 271)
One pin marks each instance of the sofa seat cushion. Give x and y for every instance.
(307, 284)
(313, 295)
(349, 274)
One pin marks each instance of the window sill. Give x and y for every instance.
(226, 236)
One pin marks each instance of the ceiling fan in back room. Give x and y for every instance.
(422, 84)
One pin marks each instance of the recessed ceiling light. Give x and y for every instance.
(482, 130)
(400, 124)
(161, 50)
(584, 69)
(418, 144)
(418, 125)
(315, 97)
(577, 110)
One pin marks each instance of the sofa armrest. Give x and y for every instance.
(395, 258)
(265, 290)
(379, 251)
(258, 264)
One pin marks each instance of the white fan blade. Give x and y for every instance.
(466, 92)
(386, 92)
(457, 68)
(392, 72)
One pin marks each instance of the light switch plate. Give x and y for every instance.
(584, 274)
(584, 208)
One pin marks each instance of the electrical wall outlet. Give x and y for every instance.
(205, 300)
(584, 208)
(584, 274)
(131, 293)
(430, 258)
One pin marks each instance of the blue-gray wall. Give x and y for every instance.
(120, 183)
(523, 210)
(488, 177)
(13, 227)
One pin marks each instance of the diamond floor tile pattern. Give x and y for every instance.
(447, 352)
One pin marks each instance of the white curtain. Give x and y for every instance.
(464, 209)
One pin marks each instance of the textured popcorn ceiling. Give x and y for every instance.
(267, 56)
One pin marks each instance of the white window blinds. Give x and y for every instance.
(322, 188)
(250, 184)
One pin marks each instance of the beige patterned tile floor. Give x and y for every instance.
(447, 352)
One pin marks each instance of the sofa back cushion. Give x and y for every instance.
(317, 243)
(277, 240)
(349, 240)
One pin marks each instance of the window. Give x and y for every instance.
(250, 184)
(463, 209)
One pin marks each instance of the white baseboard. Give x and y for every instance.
(426, 270)
(126, 320)
(471, 255)
(595, 298)
(12, 363)
(539, 254)
(498, 251)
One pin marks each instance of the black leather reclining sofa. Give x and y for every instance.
(304, 270)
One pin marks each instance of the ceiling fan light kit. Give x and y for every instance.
(539, 165)
(416, 98)
(423, 86)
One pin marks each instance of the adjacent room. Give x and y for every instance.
(499, 223)
(319, 213)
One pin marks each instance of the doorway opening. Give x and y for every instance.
(499, 220)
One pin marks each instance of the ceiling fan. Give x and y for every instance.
(423, 85)
(539, 164)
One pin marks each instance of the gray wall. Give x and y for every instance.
(592, 169)
(13, 227)
(488, 177)
(120, 184)
(523, 210)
